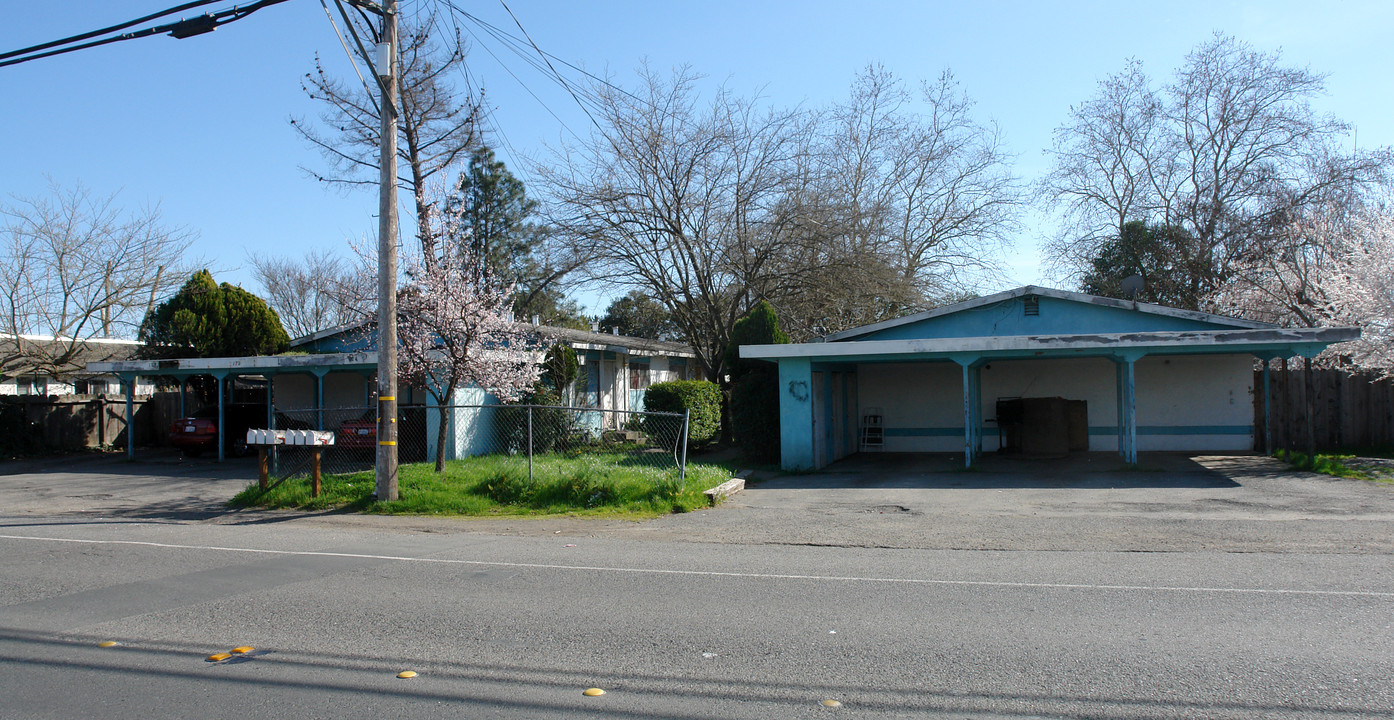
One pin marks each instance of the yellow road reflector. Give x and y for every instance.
(387, 397)
(387, 442)
(831, 703)
(406, 674)
(242, 650)
(108, 643)
(593, 692)
(219, 657)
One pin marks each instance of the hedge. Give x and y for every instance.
(702, 399)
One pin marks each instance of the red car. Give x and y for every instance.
(360, 433)
(199, 432)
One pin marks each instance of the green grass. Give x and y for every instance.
(1333, 464)
(597, 484)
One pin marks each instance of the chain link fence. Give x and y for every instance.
(518, 433)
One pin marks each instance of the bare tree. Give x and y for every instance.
(315, 292)
(677, 198)
(916, 197)
(885, 203)
(1225, 152)
(437, 121)
(79, 267)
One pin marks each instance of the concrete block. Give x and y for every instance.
(720, 492)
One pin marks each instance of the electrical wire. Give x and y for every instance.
(560, 79)
(107, 30)
(344, 43)
(215, 19)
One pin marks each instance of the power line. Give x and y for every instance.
(181, 29)
(107, 30)
(549, 65)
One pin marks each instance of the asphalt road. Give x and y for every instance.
(764, 608)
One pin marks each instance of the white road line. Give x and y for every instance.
(717, 573)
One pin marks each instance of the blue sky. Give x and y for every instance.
(200, 126)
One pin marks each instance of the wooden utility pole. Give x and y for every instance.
(387, 66)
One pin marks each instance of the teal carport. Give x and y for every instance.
(1033, 363)
(224, 370)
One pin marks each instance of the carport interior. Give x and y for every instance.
(225, 371)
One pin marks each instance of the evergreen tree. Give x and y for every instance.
(205, 319)
(639, 315)
(755, 385)
(491, 209)
(760, 326)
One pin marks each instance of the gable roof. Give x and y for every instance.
(1128, 315)
(58, 356)
(577, 339)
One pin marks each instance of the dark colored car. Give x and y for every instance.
(199, 432)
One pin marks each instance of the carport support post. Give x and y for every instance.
(796, 413)
(1129, 365)
(970, 394)
(1118, 413)
(222, 425)
(130, 388)
(319, 397)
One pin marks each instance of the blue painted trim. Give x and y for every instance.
(1093, 430)
(925, 432)
(1195, 429)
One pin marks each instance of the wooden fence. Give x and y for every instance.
(72, 422)
(1345, 409)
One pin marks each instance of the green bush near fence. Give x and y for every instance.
(551, 425)
(596, 484)
(700, 398)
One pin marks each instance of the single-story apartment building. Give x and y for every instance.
(335, 371)
(1031, 369)
(25, 374)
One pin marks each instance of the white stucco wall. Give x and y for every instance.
(293, 391)
(1196, 392)
(921, 404)
(1185, 402)
(1092, 380)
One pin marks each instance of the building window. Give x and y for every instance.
(95, 386)
(31, 385)
(638, 377)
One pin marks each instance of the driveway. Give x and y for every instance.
(1234, 503)
(160, 484)
(1176, 502)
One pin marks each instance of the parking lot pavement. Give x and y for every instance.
(159, 484)
(1175, 502)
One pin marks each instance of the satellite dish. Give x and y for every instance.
(1132, 286)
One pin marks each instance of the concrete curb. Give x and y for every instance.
(730, 487)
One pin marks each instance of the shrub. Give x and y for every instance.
(755, 414)
(551, 426)
(702, 400)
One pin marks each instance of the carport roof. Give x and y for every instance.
(261, 365)
(1276, 342)
(1031, 322)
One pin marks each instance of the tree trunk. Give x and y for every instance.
(443, 431)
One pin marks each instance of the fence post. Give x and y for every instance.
(529, 444)
(682, 468)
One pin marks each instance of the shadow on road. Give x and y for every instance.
(1084, 471)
